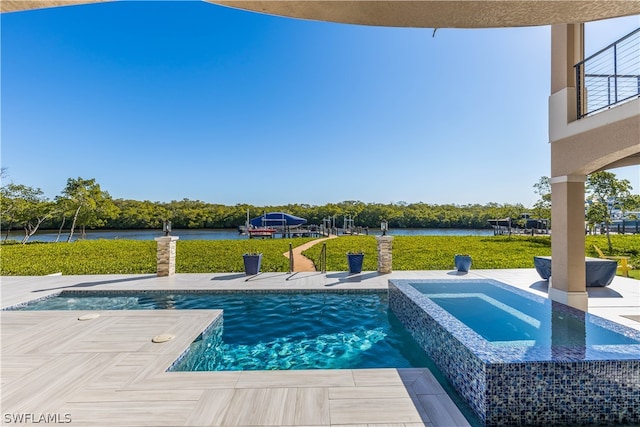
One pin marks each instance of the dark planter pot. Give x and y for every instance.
(252, 264)
(463, 263)
(355, 263)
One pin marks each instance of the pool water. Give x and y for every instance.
(502, 316)
(266, 331)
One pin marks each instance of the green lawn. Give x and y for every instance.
(216, 256)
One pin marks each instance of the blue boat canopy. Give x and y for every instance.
(277, 219)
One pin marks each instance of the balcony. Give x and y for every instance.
(610, 76)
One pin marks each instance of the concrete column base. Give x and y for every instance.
(576, 299)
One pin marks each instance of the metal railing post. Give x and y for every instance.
(579, 90)
(291, 263)
(615, 73)
(323, 258)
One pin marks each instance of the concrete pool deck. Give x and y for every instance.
(106, 371)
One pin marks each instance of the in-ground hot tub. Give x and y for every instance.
(520, 359)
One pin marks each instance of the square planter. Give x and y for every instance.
(462, 263)
(355, 262)
(252, 263)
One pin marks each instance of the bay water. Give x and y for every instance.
(218, 234)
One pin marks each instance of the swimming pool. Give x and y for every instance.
(267, 331)
(519, 359)
(501, 316)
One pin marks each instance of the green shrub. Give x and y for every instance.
(218, 256)
(81, 257)
(437, 252)
(139, 256)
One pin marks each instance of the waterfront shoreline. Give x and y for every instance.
(221, 234)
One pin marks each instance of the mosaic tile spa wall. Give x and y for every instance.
(520, 385)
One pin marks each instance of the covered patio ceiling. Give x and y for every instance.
(418, 13)
(445, 13)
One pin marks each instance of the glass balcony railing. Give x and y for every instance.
(610, 76)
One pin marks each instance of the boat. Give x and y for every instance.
(277, 220)
(261, 232)
(269, 224)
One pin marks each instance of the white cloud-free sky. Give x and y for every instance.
(169, 100)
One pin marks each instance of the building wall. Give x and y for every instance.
(578, 148)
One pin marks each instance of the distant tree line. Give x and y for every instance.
(197, 214)
(82, 205)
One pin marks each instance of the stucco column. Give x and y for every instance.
(166, 257)
(385, 259)
(567, 282)
(568, 277)
(567, 49)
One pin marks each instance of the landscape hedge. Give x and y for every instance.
(217, 256)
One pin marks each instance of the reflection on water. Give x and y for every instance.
(568, 331)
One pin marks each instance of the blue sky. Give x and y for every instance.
(169, 100)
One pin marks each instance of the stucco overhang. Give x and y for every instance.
(445, 13)
(418, 13)
(19, 5)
